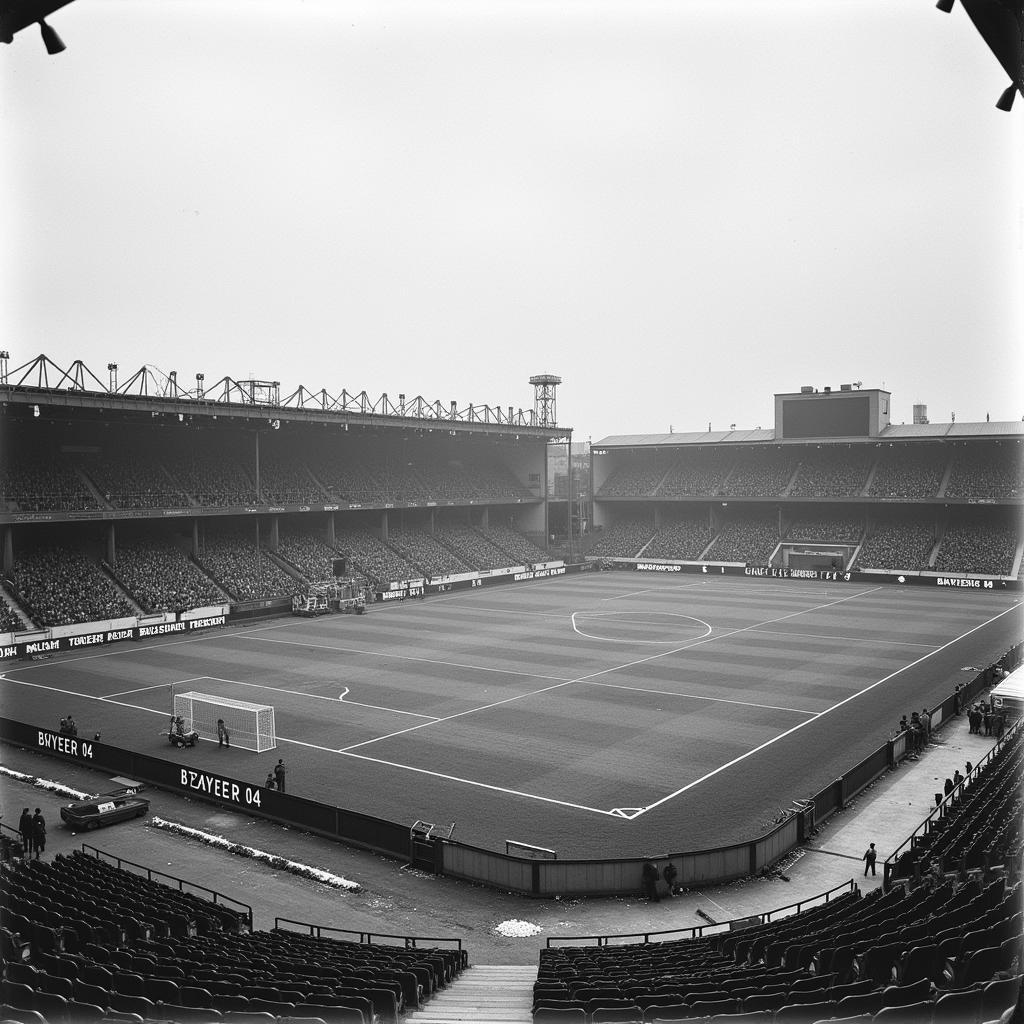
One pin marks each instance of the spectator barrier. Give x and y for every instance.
(499, 870)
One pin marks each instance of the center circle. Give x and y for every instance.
(636, 628)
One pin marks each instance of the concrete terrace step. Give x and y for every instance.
(490, 994)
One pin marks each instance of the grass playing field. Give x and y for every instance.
(605, 715)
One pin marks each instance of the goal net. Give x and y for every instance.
(249, 726)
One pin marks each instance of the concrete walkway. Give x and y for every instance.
(487, 994)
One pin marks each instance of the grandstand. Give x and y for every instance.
(829, 487)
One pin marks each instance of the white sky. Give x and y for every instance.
(680, 207)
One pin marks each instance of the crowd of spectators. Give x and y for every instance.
(635, 478)
(760, 474)
(701, 472)
(162, 578)
(623, 539)
(988, 550)
(683, 539)
(834, 530)
(373, 558)
(426, 552)
(832, 472)
(10, 621)
(994, 474)
(59, 586)
(309, 553)
(473, 548)
(287, 482)
(897, 545)
(213, 480)
(50, 485)
(750, 539)
(128, 481)
(246, 573)
(909, 472)
(521, 549)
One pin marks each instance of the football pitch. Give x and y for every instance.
(605, 715)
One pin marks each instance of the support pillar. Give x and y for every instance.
(384, 525)
(274, 533)
(330, 529)
(195, 537)
(111, 546)
(8, 555)
(485, 519)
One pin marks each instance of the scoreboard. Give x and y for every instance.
(845, 413)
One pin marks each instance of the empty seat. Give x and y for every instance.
(958, 1007)
(912, 1013)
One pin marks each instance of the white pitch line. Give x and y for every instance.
(481, 785)
(407, 657)
(697, 696)
(312, 696)
(848, 639)
(846, 700)
(87, 696)
(141, 689)
(605, 671)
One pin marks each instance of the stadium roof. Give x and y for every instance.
(895, 431)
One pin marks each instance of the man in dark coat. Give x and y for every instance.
(25, 828)
(649, 874)
(279, 771)
(38, 832)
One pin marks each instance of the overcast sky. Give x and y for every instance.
(680, 207)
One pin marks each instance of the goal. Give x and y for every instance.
(250, 726)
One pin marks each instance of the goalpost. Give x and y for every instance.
(250, 726)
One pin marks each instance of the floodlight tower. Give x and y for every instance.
(545, 386)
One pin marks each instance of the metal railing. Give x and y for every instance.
(364, 938)
(181, 884)
(704, 929)
(940, 812)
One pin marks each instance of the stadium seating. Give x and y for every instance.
(636, 478)
(832, 473)
(214, 479)
(623, 539)
(978, 548)
(897, 545)
(10, 622)
(696, 473)
(682, 539)
(372, 557)
(161, 577)
(103, 941)
(760, 474)
(909, 472)
(133, 481)
(947, 948)
(45, 484)
(520, 548)
(471, 547)
(427, 553)
(977, 474)
(834, 530)
(311, 555)
(60, 586)
(232, 559)
(751, 539)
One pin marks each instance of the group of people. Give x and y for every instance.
(651, 876)
(276, 777)
(178, 735)
(987, 717)
(33, 832)
(68, 727)
(919, 729)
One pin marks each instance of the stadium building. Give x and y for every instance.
(174, 532)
